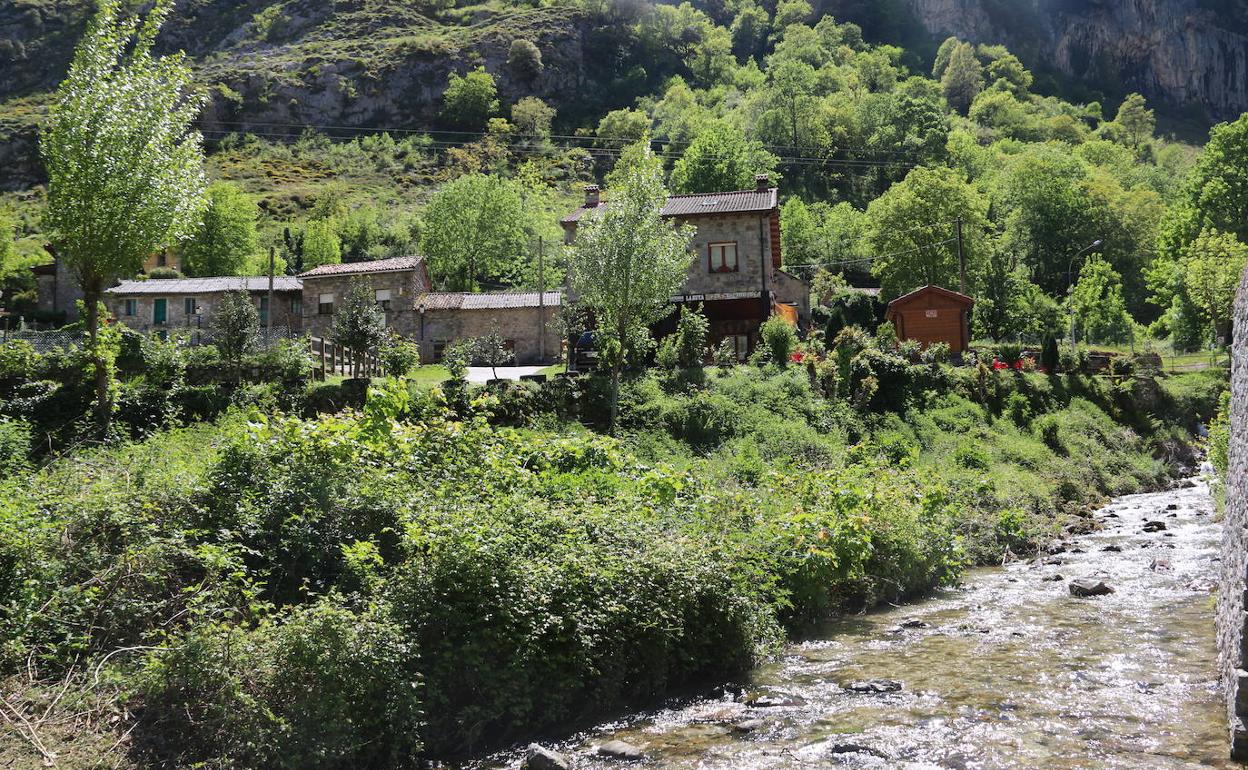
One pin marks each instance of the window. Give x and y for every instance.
(188, 306)
(383, 299)
(740, 344)
(439, 349)
(296, 306)
(264, 309)
(722, 257)
(132, 307)
(326, 305)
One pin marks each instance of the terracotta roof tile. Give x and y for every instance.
(490, 301)
(162, 286)
(394, 264)
(703, 204)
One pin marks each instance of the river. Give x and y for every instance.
(1007, 670)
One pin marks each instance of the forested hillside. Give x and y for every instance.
(337, 129)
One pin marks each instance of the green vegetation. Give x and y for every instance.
(443, 569)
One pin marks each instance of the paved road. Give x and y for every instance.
(483, 373)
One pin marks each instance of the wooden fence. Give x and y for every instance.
(335, 359)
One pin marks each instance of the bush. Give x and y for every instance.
(399, 357)
(910, 350)
(972, 457)
(18, 363)
(886, 337)
(936, 353)
(780, 339)
(1018, 406)
(14, 447)
(321, 686)
(690, 338)
(288, 361)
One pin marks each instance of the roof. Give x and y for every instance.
(392, 265)
(165, 286)
(490, 301)
(922, 291)
(703, 204)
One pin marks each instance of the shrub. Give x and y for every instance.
(910, 350)
(318, 686)
(18, 362)
(1009, 352)
(1018, 406)
(972, 457)
(691, 331)
(1048, 429)
(936, 353)
(399, 357)
(780, 339)
(15, 438)
(725, 354)
(288, 361)
(886, 337)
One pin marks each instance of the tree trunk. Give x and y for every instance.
(103, 405)
(615, 394)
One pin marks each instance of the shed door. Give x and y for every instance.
(160, 310)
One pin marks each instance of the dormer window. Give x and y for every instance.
(722, 258)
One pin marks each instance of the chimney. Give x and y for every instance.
(762, 182)
(591, 196)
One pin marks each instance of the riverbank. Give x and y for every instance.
(1005, 670)
(420, 580)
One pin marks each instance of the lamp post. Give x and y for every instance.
(1070, 285)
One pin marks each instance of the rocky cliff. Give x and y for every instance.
(1189, 55)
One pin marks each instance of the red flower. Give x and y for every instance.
(796, 358)
(1018, 364)
(998, 365)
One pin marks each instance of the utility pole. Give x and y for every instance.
(268, 315)
(541, 301)
(957, 224)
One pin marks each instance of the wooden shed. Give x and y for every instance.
(933, 314)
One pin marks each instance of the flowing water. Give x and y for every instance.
(1008, 670)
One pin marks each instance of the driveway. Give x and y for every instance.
(484, 373)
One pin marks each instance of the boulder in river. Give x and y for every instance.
(1056, 577)
(748, 726)
(539, 757)
(857, 748)
(1160, 564)
(1172, 507)
(1154, 526)
(875, 686)
(620, 750)
(1112, 548)
(1089, 587)
(914, 623)
(773, 701)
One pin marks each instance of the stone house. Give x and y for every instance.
(737, 276)
(395, 283)
(165, 304)
(58, 290)
(524, 319)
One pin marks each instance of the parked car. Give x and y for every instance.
(585, 353)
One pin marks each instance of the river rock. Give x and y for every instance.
(1055, 547)
(620, 750)
(1154, 526)
(773, 701)
(875, 686)
(1160, 564)
(1112, 548)
(1172, 507)
(1056, 577)
(1089, 587)
(541, 758)
(748, 726)
(856, 748)
(914, 623)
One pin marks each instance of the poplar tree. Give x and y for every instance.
(627, 261)
(125, 167)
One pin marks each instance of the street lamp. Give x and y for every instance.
(1070, 284)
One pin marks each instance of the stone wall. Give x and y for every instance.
(287, 310)
(1232, 620)
(529, 330)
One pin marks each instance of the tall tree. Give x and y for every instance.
(911, 229)
(627, 261)
(125, 167)
(470, 99)
(360, 324)
(1098, 311)
(235, 327)
(721, 158)
(1136, 120)
(963, 79)
(1212, 266)
(1215, 194)
(226, 236)
(475, 230)
(320, 244)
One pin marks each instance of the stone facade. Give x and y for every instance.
(398, 281)
(522, 320)
(1232, 618)
(134, 303)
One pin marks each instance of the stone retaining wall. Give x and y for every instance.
(1232, 620)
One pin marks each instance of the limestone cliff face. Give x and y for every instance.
(1187, 54)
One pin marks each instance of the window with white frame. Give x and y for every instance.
(383, 298)
(325, 305)
(722, 257)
